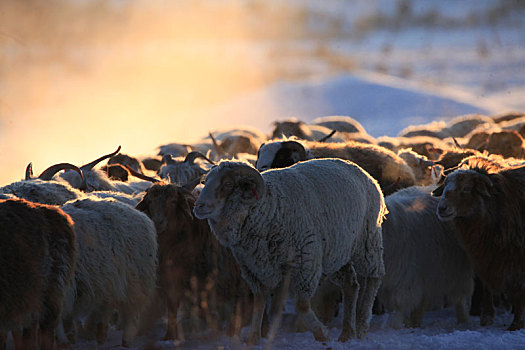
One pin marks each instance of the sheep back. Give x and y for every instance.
(328, 210)
(117, 257)
(36, 265)
(424, 261)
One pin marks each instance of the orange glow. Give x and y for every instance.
(79, 78)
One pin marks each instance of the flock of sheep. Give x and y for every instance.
(320, 212)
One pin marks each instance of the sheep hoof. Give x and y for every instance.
(253, 339)
(515, 326)
(486, 320)
(344, 337)
(321, 334)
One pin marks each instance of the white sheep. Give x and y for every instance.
(116, 264)
(42, 191)
(425, 171)
(424, 262)
(181, 171)
(385, 166)
(317, 217)
(98, 180)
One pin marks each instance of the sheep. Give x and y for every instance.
(233, 144)
(37, 265)
(153, 163)
(427, 146)
(385, 166)
(485, 201)
(132, 162)
(43, 189)
(97, 180)
(174, 149)
(183, 171)
(263, 219)
(340, 123)
(294, 127)
(116, 265)
(116, 172)
(424, 262)
(507, 116)
(507, 143)
(423, 169)
(188, 250)
(457, 127)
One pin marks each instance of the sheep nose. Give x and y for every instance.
(442, 210)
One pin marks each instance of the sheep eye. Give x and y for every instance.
(466, 190)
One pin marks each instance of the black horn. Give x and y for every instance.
(29, 171)
(139, 175)
(190, 158)
(52, 170)
(89, 166)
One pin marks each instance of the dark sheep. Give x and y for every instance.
(37, 264)
(486, 202)
(192, 262)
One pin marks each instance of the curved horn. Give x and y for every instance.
(323, 139)
(29, 171)
(246, 171)
(89, 166)
(168, 159)
(139, 175)
(52, 170)
(190, 158)
(192, 184)
(218, 148)
(456, 143)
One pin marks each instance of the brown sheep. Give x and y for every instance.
(385, 166)
(37, 263)
(124, 159)
(486, 202)
(191, 261)
(507, 143)
(507, 116)
(430, 147)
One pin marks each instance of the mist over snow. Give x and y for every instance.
(198, 66)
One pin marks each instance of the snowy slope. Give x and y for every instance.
(383, 105)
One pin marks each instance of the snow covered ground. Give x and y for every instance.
(439, 331)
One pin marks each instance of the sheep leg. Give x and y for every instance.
(367, 294)
(416, 316)
(308, 318)
(350, 288)
(487, 308)
(17, 339)
(29, 337)
(3, 340)
(396, 319)
(130, 326)
(259, 303)
(517, 310)
(174, 299)
(462, 313)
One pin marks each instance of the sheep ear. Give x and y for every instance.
(484, 185)
(249, 191)
(438, 191)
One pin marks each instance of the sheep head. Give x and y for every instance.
(231, 188)
(290, 127)
(168, 206)
(182, 171)
(279, 154)
(463, 194)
